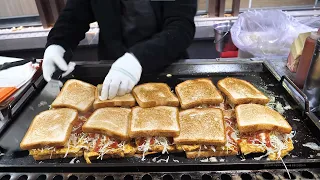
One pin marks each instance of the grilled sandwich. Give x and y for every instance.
(198, 92)
(50, 133)
(154, 94)
(126, 100)
(263, 130)
(239, 91)
(153, 129)
(205, 133)
(107, 129)
(77, 95)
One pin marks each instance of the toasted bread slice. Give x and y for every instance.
(256, 117)
(196, 92)
(154, 94)
(112, 121)
(126, 100)
(201, 126)
(75, 94)
(241, 92)
(157, 121)
(55, 154)
(206, 154)
(50, 128)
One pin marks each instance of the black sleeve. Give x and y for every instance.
(176, 36)
(71, 25)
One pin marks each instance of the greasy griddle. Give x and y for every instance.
(257, 73)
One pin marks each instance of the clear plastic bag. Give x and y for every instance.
(266, 33)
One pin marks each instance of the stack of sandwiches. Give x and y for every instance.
(203, 127)
(156, 121)
(107, 129)
(49, 135)
(263, 130)
(260, 129)
(153, 129)
(199, 120)
(203, 134)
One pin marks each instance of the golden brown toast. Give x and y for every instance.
(50, 128)
(201, 126)
(111, 121)
(157, 121)
(196, 92)
(241, 92)
(154, 94)
(126, 100)
(75, 94)
(256, 117)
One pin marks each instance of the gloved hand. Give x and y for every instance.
(124, 74)
(53, 56)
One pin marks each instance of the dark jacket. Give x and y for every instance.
(175, 30)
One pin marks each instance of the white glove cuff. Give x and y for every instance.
(54, 48)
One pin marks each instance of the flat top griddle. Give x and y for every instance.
(257, 73)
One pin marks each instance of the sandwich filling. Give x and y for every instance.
(275, 144)
(102, 144)
(99, 144)
(154, 144)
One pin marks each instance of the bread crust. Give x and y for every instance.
(213, 100)
(123, 101)
(262, 99)
(84, 93)
(28, 143)
(169, 100)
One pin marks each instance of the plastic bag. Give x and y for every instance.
(266, 32)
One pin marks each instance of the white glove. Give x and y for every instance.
(53, 56)
(124, 74)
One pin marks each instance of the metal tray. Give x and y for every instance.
(258, 73)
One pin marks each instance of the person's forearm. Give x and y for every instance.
(71, 25)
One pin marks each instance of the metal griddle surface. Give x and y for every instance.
(255, 73)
